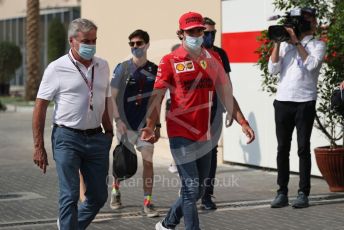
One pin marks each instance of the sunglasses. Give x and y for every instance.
(138, 43)
(213, 32)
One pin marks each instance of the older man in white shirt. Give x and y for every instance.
(298, 62)
(78, 83)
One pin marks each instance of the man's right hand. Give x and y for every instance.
(40, 158)
(293, 37)
(121, 127)
(147, 134)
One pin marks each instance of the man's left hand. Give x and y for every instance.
(248, 131)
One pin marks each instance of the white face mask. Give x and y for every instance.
(193, 43)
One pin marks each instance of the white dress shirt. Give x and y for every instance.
(298, 79)
(63, 84)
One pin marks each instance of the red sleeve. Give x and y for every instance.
(164, 74)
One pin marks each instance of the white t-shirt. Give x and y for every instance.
(63, 84)
(298, 79)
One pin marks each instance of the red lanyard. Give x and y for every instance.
(89, 84)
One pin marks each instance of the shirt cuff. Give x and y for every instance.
(274, 68)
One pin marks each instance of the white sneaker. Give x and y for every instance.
(150, 211)
(159, 226)
(172, 168)
(58, 223)
(115, 202)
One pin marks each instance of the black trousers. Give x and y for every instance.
(210, 181)
(287, 116)
(216, 129)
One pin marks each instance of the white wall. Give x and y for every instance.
(117, 19)
(246, 16)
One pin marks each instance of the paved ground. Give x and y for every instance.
(28, 199)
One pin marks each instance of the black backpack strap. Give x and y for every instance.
(125, 75)
(124, 79)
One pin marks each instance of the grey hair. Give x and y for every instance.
(80, 25)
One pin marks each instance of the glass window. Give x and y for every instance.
(42, 43)
(1, 31)
(76, 13)
(14, 31)
(21, 31)
(7, 30)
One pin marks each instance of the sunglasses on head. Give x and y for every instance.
(138, 43)
(210, 32)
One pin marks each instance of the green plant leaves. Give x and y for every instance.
(10, 60)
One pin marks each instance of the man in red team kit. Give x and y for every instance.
(191, 73)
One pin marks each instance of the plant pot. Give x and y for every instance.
(330, 162)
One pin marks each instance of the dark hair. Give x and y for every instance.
(179, 34)
(141, 34)
(209, 21)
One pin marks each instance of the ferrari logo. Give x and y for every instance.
(203, 63)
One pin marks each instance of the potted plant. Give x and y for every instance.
(10, 60)
(330, 159)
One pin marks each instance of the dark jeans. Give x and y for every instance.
(193, 162)
(90, 154)
(287, 116)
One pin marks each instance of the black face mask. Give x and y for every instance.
(208, 39)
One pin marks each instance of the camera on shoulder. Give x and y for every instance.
(294, 19)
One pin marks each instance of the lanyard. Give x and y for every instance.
(89, 84)
(308, 42)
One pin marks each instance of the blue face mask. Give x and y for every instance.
(208, 40)
(193, 43)
(137, 52)
(87, 51)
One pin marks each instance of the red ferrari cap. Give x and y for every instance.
(191, 20)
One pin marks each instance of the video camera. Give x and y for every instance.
(293, 19)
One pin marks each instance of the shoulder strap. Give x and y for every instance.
(124, 79)
(125, 74)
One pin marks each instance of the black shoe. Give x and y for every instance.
(208, 204)
(301, 201)
(280, 201)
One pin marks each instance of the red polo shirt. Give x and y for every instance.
(191, 84)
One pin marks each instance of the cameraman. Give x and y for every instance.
(298, 62)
